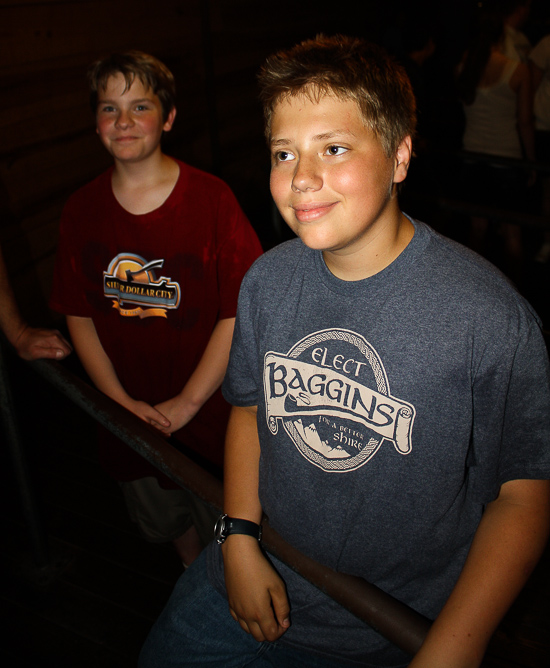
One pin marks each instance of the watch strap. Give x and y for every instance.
(225, 526)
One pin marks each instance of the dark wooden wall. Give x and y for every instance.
(48, 145)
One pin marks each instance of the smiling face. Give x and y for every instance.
(130, 122)
(334, 185)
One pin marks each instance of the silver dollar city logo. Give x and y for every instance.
(131, 283)
(332, 396)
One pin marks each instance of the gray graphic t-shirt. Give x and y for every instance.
(390, 411)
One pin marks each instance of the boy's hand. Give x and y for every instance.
(148, 414)
(33, 344)
(176, 411)
(257, 595)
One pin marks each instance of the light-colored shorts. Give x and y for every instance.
(162, 515)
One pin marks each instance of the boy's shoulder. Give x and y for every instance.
(456, 282)
(98, 191)
(461, 272)
(91, 197)
(270, 276)
(436, 271)
(194, 175)
(278, 262)
(203, 184)
(96, 187)
(430, 253)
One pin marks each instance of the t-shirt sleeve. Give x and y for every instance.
(243, 383)
(238, 247)
(526, 436)
(67, 294)
(511, 438)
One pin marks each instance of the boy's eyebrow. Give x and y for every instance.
(106, 100)
(323, 136)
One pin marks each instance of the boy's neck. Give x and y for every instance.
(143, 186)
(154, 168)
(376, 255)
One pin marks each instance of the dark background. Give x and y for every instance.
(95, 601)
(48, 145)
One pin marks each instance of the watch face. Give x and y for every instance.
(220, 529)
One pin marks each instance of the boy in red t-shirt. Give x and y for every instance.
(149, 265)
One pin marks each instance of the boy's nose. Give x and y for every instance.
(124, 119)
(306, 176)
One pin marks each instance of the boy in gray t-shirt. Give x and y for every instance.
(390, 391)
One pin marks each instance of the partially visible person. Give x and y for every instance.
(496, 95)
(30, 343)
(150, 261)
(539, 61)
(516, 44)
(418, 48)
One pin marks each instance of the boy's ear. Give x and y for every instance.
(170, 120)
(402, 160)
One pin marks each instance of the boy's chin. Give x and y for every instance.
(312, 240)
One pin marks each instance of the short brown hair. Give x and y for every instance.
(348, 68)
(131, 64)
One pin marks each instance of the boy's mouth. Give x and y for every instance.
(312, 211)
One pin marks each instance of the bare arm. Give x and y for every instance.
(204, 381)
(521, 84)
(31, 343)
(256, 593)
(508, 543)
(536, 75)
(102, 373)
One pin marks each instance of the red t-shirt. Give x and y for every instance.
(155, 285)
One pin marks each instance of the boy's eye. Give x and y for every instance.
(336, 150)
(284, 156)
(142, 107)
(107, 109)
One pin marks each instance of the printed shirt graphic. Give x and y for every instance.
(331, 394)
(130, 281)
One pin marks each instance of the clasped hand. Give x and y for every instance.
(256, 593)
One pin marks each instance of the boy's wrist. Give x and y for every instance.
(13, 330)
(239, 548)
(227, 526)
(186, 406)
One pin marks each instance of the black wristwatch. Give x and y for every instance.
(225, 526)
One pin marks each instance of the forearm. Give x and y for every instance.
(537, 75)
(206, 378)
(526, 121)
(506, 547)
(94, 359)
(11, 320)
(527, 135)
(103, 374)
(241, 476)
(256, 594)
(30, 343)
(241, 465)
(210, 371)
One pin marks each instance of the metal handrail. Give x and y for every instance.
(394, 620)
(472, 156)
(494, 213)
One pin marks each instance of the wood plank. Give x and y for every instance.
(31, 177)
(58, 118)
(97, 26)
